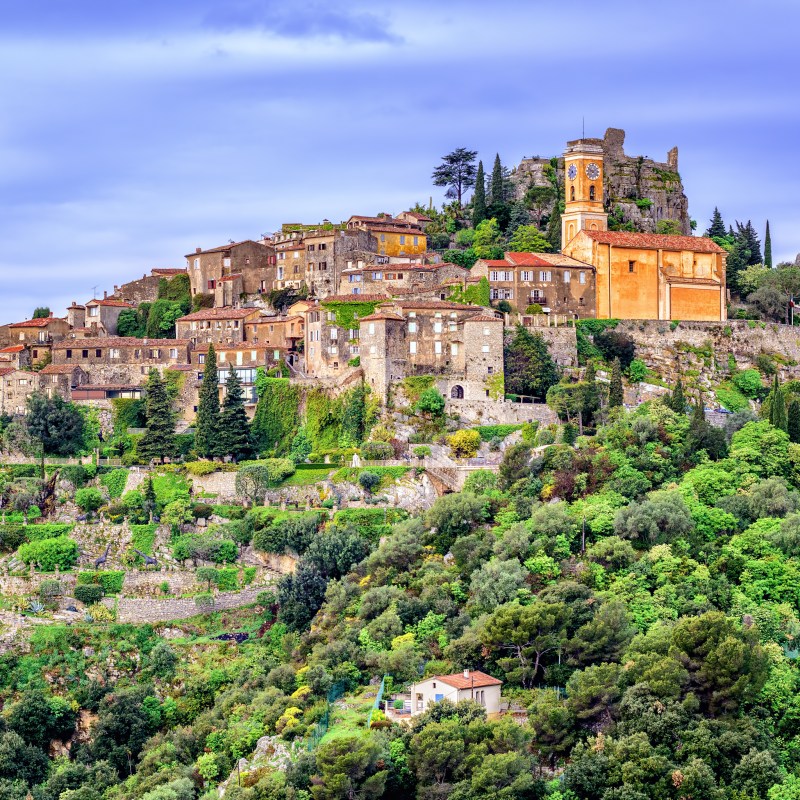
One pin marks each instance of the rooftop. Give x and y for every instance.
(468, 679)
(118, 342)
(354, 298)
(108, 301)
(15, 348)
(544, 260)
(655, 241)
(41, 322)
(223, 248)
(226, 312)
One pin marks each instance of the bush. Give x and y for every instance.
(637, 371)
(430, 402)
(110, 581)
(748, 382)
(49, 590)
(88, 595)
(422, 451)
(534, 308)
(369, 481)
(615, 344)
(200, 468)
(377, 451)
(202, 511)
(464, 444)
(61, 552)
(489, 432)
(47, 530)
(88, 499)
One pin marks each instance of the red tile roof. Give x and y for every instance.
(382, 315)
(225, 312)
(109, 302)
(224, 248)
(168, 271)
(494, 262)
(484, 318)
(474, 678)
(655, 241)
(231, 277)
(7, 371)
(17, 348)
(42, 322)
(436, 305)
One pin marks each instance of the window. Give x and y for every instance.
(416, 241)
(545, 276)
(197, 263)
(334, 350)
(94, 311)
(173, 352)
(354, 278)
(373, 350)
(487, 331)
(98, 353)
(454, 349)
(567, 276)
(226, 262)
(280, 273)
(85, 354)
(201, 359)
(580, 301)
(69, 353)
(452, 326)
(582, 278)
(371, 328)
(437, 348)
(323, 246)
(591, 192)
(360, 264)
(221, 357)
(311, 248)
(353, 333)
(412, 327)
(334, 334)
(412, 348)
(349, 265)
(155, 353)
(212, 284)
(485, 348)
(383, 237)
(36, 354)
(377, 276)
(526, 275)
(323, 266)
(631, 266)
(572, 193)
(402, 239)
(113, 352)
(437, 327)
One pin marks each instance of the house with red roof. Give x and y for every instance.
(474, 685)
(39, 335)
(102, 316)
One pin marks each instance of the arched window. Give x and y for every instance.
(457, 392)
(572, 193)
(571, 230)
(591, 192)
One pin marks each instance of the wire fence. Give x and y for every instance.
(377, 704)
(321, 728)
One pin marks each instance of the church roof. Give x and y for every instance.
(655, 241)
(544, 260)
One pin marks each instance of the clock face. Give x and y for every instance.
(572, 172)
(592, 171)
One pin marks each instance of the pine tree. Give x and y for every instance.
(698, 415)
(793, 422)
(158, 440)
(777, 406)
(497, 189)
(235, 439)
(767, 248)
(208, 421)
(615, 391)
(717, 226)
(479, 198)
(677, 400)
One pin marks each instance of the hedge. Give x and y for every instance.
(115, 482)
(371, 523)
(47, 530)
(489, 432)
(109, 580)
(61, 552)
(88, 594)
(143, 538)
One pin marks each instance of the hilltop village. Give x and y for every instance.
(333, 303)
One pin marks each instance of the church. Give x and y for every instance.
(637, 275)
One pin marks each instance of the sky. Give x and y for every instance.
(132, 132)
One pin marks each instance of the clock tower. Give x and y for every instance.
(583, 186)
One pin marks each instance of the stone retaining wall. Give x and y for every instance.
(488, 412)
(144, 610)
(221, 484)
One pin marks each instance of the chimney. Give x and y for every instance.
(198, 249)
(105, 295)
(466, 673)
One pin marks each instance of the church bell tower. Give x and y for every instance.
(583, 186)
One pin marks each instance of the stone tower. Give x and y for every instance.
(583, 188)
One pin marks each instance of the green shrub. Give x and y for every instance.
(88, 499)
(48, 590)
(200, 468)
(465, 443)
(422, 451)
(202, 511)
(637, 371)
(377, 451)
(170, 487)
(12, 535)
(731, 398)
(489, 432)
(110, 581)
(748, 382)
(369, 481)
(88, 594)
(61, 552)
(75, 474)
(143, 538)
(227, 579)
(371, 523)
(115, 482)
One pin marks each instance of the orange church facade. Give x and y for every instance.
(638, 275)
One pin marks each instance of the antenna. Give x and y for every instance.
(94, 292)
(583, 127)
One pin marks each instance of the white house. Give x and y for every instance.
(466, 685)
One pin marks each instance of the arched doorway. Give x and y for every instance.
(457, 392)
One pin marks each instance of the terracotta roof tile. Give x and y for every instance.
(475, 678)
(655, 241)
(7, 371)
(17, 348)
(168, 271)
(42, 322)
(109, 302)
(118, 342)
(354, 298)
(484, 318)
(382, 315)
(544, 260)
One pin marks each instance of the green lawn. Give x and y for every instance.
(307, 477)
(350, 720)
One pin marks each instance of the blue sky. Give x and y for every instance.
(132, 132)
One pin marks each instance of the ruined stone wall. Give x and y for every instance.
(627, 179)
(488, 412)
(143, 290)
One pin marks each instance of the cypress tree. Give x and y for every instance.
(777, 406)
(767, 248)
(158, 440)
(235, 439)
(698, 415)
(793, 422)
(591, 394)
(479, 198)
(615, 391)
(717, 226)
(677, 400)
(208, 420)
(150, 501)
(497, 190)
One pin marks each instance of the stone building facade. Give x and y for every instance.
(121, 360)
(145, 289)
(254, 261)
(393, 278)
(558, 283)
(461, 346)
(61, 379)
(219, 325)
(39, 335)
(394, 237)
(327, 253)
(281, 332)
(15, 387)
(17, 356)
(102, 316)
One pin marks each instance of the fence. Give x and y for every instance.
(377, 704)
(321, 728)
